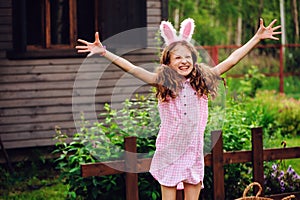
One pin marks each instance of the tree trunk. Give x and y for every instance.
(229, 31)
(295, 19)
(238, 40)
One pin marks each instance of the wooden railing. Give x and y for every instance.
(216, 159)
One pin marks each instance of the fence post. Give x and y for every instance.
(215, 55)
(132, 192)
(258, 157)
(217, 165)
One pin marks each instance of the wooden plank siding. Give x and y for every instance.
(36, 94)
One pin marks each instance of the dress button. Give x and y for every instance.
(185, 104)
(184, 113)
(195, 93)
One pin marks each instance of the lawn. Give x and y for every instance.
(54, 192)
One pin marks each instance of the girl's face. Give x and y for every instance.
(181, 60)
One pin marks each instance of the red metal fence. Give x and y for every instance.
(213, 51)
(216, 159)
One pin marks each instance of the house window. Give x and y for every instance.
(43, 28)
(51, 24)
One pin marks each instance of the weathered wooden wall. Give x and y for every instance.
(36, 94)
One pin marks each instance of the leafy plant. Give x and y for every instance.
(252, 81)
(103, 141)
(82, 149)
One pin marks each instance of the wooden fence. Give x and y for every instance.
(216, 159)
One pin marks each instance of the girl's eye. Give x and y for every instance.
(178, 57)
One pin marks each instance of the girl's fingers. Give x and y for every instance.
(276, 27)
(83, 51)
(274, 38)
(261, 22)
(272, 23)
(82, 41)
(97, 40)
(81, 47)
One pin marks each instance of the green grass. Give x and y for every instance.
(54, 192)
(31, 180)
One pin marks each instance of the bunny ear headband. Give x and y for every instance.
(168, 32)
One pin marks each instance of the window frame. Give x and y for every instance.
(43, 48)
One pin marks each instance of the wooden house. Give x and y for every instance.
(39, 65)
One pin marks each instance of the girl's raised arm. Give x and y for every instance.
(97, 48)
(262, 33)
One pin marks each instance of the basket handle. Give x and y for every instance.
(250, 186)
(289, 197)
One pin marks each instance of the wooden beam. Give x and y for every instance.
(217, 165)
(102, 168)
(143, 165)
(257, 158)
(132, 191)
(281, 153)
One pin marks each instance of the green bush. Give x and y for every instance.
(280, 113)
(83, 149)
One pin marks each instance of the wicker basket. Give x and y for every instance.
(256, 197)
(289, 197)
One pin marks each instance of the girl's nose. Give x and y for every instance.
(183, 60)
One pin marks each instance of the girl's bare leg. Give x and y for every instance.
(168, 193)
(192, 192)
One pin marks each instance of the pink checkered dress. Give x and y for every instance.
(179, 146)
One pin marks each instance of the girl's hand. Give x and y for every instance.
(92, 48)
(267, 32)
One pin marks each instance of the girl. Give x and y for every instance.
(183, 87)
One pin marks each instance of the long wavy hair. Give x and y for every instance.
(169, 83)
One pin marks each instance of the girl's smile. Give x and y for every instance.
(181, 60)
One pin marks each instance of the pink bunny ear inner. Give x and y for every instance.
(187, 29)
(168, 32)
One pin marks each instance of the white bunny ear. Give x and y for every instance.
(168, 32)
(187, 29)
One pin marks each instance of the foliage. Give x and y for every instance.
(138, 117)
(83, 148)
(281, 112)
(217, 21)
(273, 111)
(278, 180)
(103, 141)
(253, 80)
